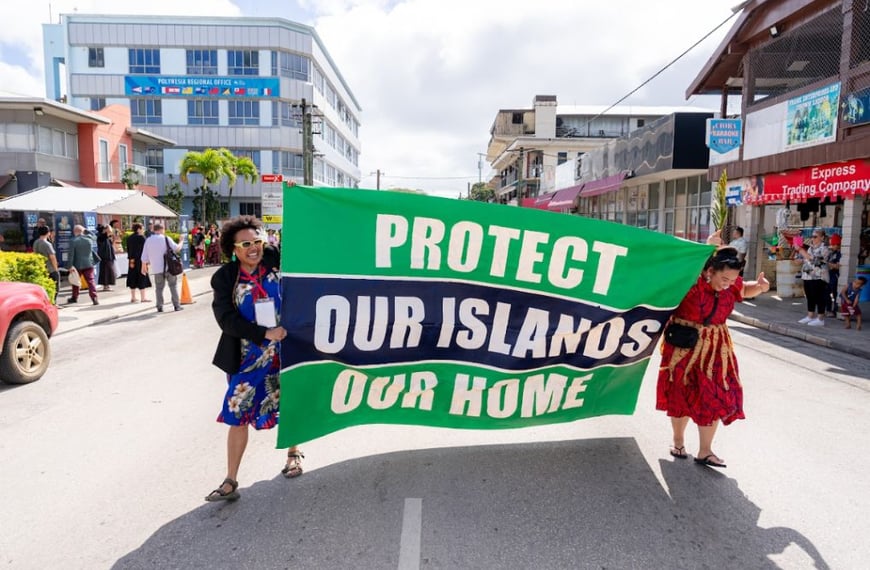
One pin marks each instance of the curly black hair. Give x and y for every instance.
(234, 226)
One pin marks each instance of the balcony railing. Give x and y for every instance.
(110, 172)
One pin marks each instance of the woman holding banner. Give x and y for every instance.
(699, 379)
(247, 307)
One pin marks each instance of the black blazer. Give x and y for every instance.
(234, 327)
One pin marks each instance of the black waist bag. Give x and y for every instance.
(681, 336)
(685, 336)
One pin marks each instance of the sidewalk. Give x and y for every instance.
(116, 304)
(767, 311)
(781, 315)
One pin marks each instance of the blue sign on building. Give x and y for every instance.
(856, 108)
(724, 135)
(199, 86)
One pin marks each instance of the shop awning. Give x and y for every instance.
(542, 201)
(602, 186)
(99, 200)
(564, 199)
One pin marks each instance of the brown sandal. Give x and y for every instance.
(293, 468)
(220, 495)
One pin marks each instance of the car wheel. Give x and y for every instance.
(26, 353)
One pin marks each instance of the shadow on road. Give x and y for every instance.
(574, 504)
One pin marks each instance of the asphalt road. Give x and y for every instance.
(105, 461)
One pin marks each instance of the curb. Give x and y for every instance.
(115, 317)
(800, 335)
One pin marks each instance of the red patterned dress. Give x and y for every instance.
(703, 383)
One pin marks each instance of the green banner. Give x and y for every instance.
(409, 309)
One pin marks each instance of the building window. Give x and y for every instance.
(95, 57)
(97, 103)
(146, 112)
(516, 118)
(144, 61)
(202, 62)
(562, 158)
(290, 117)
(244, 112)
(18, 136)
(250, 209)
(293, 65)
(154, 159)
(202, 112)
(123, 158)
(243, 62)
(292, 165)
(641, 122)
(253, 155)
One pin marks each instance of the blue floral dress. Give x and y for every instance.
(253, 391)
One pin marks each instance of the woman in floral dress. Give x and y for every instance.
(702, 383)
(250, 345)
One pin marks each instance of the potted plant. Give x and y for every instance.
(131, 177)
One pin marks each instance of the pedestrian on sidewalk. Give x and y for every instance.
(699, 380)
(849, 301)
(82, 257)
(247, 307)
(106, 251)
(154, 264)
(834, 258)
(815, 275)
(137, 280)
(44, 247)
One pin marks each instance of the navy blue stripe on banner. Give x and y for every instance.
(364, 321)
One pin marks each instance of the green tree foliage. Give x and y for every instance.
(480, 192)
(238, 167)
(173, 195)
(212, 166)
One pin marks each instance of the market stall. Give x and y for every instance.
(69, 206)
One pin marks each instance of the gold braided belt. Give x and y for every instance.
(714, 341)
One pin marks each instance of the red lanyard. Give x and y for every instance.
(256, 281)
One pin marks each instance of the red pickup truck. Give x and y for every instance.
(27, 320)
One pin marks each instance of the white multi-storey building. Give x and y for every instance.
(209, 83)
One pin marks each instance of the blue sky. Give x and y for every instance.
(430, 75)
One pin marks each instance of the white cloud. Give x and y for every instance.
(431, 74)
(25, 32)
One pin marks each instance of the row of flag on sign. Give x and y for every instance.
(226, 91)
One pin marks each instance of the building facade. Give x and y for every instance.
(527, 145)
(802, 68)
(235, 83)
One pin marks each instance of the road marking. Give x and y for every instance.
(412, 529)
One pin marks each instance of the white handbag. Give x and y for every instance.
(73, 277)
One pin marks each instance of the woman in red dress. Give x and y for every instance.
(702, 382)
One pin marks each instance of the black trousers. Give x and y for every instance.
(816, 292)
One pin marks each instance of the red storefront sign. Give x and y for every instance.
(839, 179)
(271, 178)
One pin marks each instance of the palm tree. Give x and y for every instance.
(238, 166)
(210, 164)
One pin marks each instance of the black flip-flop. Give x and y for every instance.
(679, 452)
(706, 461)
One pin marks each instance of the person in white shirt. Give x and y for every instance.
(153, 264)
(739, 243)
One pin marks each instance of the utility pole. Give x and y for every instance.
(520, 182)
(307, 147)
(378, 183)
(480, 156)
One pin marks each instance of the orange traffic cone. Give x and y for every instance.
(186, 298)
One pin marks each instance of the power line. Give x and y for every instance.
(426, 177)
(663, 69)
